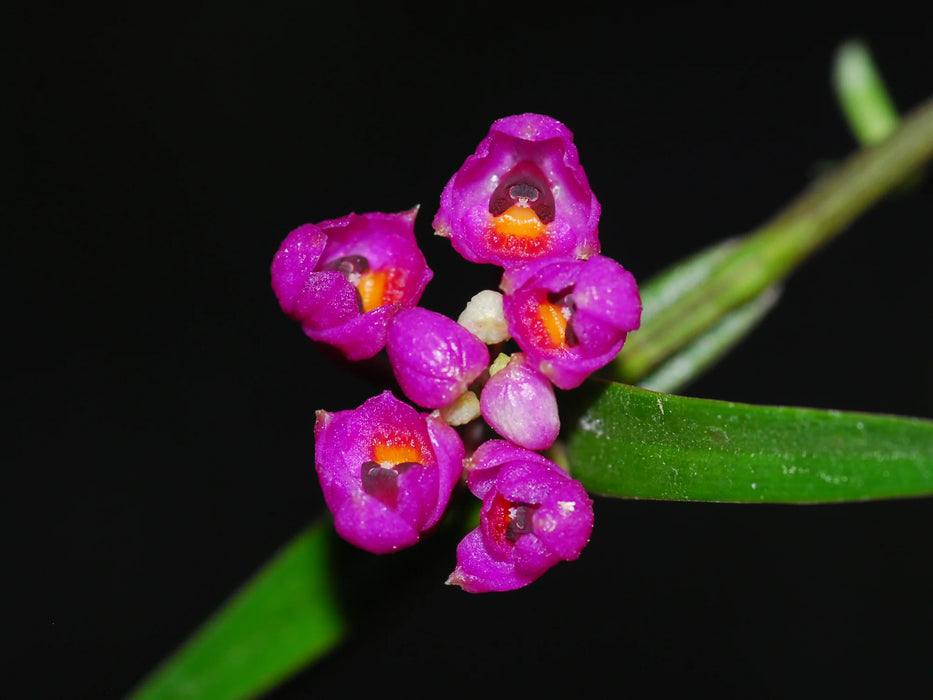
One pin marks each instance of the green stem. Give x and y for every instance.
(771, 252)
(862, 95)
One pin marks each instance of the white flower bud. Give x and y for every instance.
(462, 410)
(484, 318)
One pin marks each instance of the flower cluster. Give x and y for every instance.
(522, 202)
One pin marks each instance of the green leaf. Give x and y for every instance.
(303, 602)
(285, 617)
(633, 443)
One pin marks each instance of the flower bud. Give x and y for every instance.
(484, 318)
(433, 357)
(518, 402)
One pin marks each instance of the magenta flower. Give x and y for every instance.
(518, 402)
(343, 279)
(386, 471)
(570, 316)
(533, 516)
(521, 196)
(433, 357)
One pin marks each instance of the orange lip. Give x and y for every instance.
(555, 322)
(395, 454)
(519, 222)
(372, 290)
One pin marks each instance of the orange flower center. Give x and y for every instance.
(372, 288)
(519, 222)
(554, 318)
(396, 454)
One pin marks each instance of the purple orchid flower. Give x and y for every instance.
(343, 279)
(521, 196)
(518, 402)
(570, 316)
(386, 471)
(533, 516)
(433, 357)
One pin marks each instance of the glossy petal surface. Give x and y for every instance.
(521, 196)
(433, 357)
(423, 454)
(570, 317)
(518, 402)
(344, 279)
(533, 516)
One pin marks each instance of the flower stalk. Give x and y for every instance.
(775, 249)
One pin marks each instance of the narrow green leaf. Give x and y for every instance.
(301, 604)
(282, 619)
(633, 443)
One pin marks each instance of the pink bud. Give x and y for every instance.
(518, 402)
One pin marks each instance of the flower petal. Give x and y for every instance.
(570, 316)
(532, 517)
(521, 196)
(344, 279)
(385, 434)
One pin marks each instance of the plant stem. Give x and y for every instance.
(772, 251)
(862, 95)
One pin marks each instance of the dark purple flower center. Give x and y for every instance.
(374, 288)
(348, 266)
(525, 185)
(353, 267)
(520, 523)
(381, 481)
(510, 520)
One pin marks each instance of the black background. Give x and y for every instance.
(161, 447)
